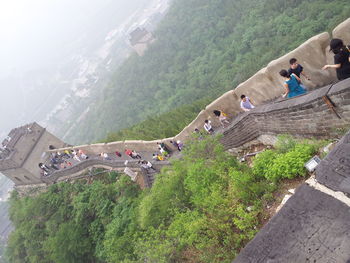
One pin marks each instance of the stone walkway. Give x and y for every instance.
(314, 224)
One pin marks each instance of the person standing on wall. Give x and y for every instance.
(297, 69)
(341, 58)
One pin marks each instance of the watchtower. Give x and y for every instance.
(22, 151)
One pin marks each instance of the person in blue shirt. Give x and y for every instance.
(292, 84)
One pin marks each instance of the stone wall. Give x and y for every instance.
(84, 166)
(304, 116)
(265, 85)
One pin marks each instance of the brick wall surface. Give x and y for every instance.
(304, 116)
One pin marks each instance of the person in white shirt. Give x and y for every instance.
(207, 127)
(246, 104)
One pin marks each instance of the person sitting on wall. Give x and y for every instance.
(341, 58)
(155, 157)
(222, 117)
(292, 85)
(246, 103)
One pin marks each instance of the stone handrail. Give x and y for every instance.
(265, 85)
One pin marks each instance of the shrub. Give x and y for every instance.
(290, 164)
(263, 163)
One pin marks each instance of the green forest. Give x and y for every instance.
(203, 208)
(203, 49)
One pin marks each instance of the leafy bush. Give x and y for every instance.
(263, 162)
(274, 166)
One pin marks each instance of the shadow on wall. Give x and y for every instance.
(265, 85)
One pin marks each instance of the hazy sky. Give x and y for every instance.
(33, 31)
(37, 36)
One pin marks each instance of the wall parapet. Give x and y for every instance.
(304, 116)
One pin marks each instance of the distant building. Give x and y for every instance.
(22, 151)
(140, 39)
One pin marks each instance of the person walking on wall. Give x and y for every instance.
(297, 69)
(341, 58)
(246, 103)
(207, 126)
(292, 85)
(222, 117)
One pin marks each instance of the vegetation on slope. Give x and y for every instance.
(197, 210)
(203, 49)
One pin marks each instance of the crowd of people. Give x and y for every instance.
(61, 160)
(67, 158)
(292, 81)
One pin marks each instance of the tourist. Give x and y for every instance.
(341, 58)
(105, 156)
(163, 152)
(296, 68)
(150, 165)
(44, 167)
(246, 103)
(75, 156)
(67, 154)
(83, 155)
(207, 127)
(178, 144)
(135, 155)
(164, 147)
(118, 154)
(128, 152)
(292, 85)
(155, 157)
(160, 157)
(222, 117)
(147, 165)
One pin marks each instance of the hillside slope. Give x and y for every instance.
(203, 49)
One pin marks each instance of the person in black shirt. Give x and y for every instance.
(296, 68)
(341, 59)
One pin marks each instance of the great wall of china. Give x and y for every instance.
(313, 226)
